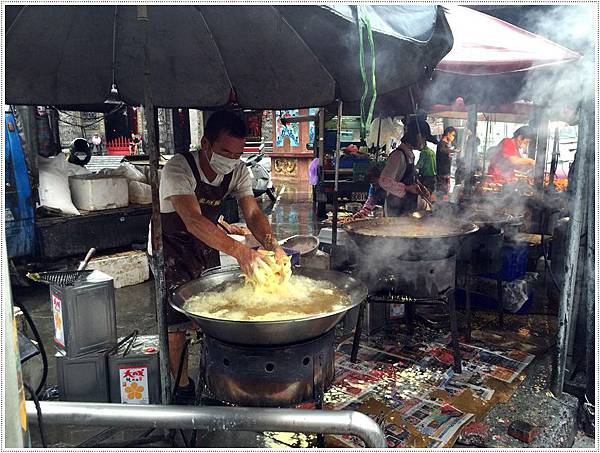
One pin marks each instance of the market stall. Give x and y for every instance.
(134, 70)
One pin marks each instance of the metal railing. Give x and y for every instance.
(210, 419)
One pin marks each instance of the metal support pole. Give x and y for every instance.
(378, 140)
(457, 365)
(541, 145)
(471, 152)
(321, 137)
(254, 419)
(157, 244)
(585, 146)
(468, 310)
(358, 330)
(554, 162)
(589, 278)
(336, 177)
(320, 147)
(488, 126)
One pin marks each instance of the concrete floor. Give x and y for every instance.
(292, 214)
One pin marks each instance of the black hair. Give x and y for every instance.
(374, 171)
(448, 130)
(525, 131)
(410, 133)
(224, 121)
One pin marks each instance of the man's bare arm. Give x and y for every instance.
(521, 161)
(258, 223)
(188, 209)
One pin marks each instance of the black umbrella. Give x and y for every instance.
(202, 56)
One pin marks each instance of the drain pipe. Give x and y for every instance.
(210, 419)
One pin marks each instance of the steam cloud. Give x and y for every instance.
(574, 27)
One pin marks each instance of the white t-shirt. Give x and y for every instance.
(176, 178)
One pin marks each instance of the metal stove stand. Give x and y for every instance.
(445, 298)
(499, 301)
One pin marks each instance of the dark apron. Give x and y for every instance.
(395, 206)
(186, 256)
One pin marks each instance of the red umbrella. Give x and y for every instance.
(485, 45)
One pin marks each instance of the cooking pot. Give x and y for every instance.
(408, 238)
(268, 333)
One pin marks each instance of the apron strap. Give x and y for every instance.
(192, 163)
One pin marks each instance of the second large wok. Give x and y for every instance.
(408, 238)
(268, 333)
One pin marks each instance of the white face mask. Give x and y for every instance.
(222, 165)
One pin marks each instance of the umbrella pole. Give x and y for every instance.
(554, 162)
(541, 145)
(378, 140)
(487, 133)
(472, 151)
(157, 245)
(334, 225)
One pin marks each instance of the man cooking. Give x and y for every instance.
(507, 157)
(398, 177)
(192, 187)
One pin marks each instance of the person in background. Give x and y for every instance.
(376, 193)
(427, 168)
(399, 176)
(507, 157)
(443, 157)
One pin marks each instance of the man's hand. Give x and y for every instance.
(279, 254)
(362, 214)
(521, 161)
(248, 259)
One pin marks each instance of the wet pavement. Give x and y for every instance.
(292, 214)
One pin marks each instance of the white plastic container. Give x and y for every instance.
(98, 192)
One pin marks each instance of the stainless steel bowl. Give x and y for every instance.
(304, 241)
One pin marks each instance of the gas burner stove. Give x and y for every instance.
(281, 376)
(413, 279)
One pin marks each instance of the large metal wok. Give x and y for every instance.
(268, 333)
(394, 238)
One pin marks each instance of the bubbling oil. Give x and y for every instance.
(300, 297)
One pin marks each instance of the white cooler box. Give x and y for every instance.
(98, 192)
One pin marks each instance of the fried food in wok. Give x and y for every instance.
(300, 297)
(270, 274)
